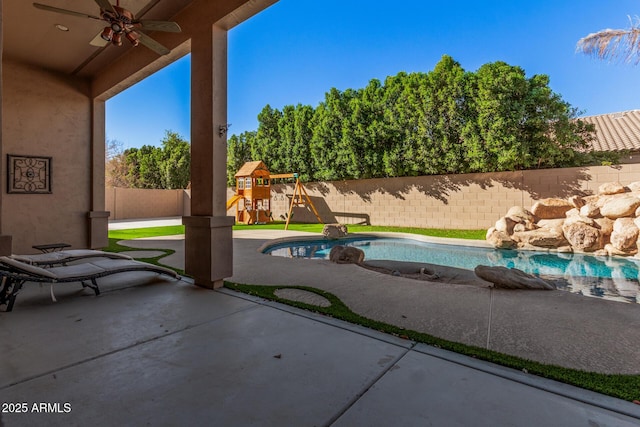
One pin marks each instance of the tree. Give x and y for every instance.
(445, 121)
(115, 165)
(329, 150)
(238, 153)
(445, 115)
(267, 140)
(166, 167)
(621, 44)
(174, 161)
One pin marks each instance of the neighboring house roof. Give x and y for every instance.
(249, 168)
(616, 131)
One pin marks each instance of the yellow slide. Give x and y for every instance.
(232, 201)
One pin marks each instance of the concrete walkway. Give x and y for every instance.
(150, 351)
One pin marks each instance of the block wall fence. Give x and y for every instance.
(466, 201)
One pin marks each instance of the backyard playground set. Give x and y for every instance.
(253, 195)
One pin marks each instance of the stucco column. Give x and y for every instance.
(5, 240)
(97, 216)
(208, 240)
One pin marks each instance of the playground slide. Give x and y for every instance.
(232, 201)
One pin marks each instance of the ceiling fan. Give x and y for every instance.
(121, 22)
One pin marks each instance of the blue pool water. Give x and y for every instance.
(611, 278)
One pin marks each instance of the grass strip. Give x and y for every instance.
(136, 233)
(114, 246)
(626, 387)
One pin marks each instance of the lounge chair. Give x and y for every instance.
(63, 257)
(15, 273)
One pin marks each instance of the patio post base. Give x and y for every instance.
(208, 249)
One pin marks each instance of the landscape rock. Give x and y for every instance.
(346, 255)
(582, 237)
(334, 231)
(620, 207)
(634, 186)
(613, 251)
(542, 237)
(625, 235)
(551, 223)
(525, 226)
(607, 223)
(520, 214)
(551, 208)
(500, 239)
(511, 278)
(577, 201)
(611, 188)
(590, 210)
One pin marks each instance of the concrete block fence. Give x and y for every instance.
(465, 201)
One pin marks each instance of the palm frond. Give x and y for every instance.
(614, 45)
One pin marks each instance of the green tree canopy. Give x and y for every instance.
(165, 167)
(445, 121)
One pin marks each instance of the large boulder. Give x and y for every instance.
(552, 224)
(625, 235)
(346, 255)
(334, 231)
(499, 239)
(590, 210)
(542, 237)
(505, 225)
(511, 278)
(551, 208)
(520, 214)
(582, 236)
(611, 188)
(620, 207)
(577, 201)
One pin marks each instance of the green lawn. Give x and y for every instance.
(312, 228)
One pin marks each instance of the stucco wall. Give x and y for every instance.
(470, 201)
(46, 114)
(127, 203)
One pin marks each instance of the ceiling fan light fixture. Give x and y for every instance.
(107, 34)
(117, 39)
(132, 36)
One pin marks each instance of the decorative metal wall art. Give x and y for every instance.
(28, 174)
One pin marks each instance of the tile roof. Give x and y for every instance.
(616, 131)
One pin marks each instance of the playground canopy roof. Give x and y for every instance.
(249, 168)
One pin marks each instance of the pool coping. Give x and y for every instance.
(388, 234)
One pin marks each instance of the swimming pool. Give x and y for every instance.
(612, 278)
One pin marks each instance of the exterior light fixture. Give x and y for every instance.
(222, 129)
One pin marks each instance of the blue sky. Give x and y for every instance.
(296, 50)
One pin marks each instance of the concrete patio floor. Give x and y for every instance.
(162, 352)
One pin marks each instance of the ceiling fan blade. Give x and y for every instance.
(152, 44)
(106, 5)
(166, 26)
(65, 11)
(98, 41)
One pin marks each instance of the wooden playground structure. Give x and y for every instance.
(253, 195)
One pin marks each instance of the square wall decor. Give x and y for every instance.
(28, 174)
